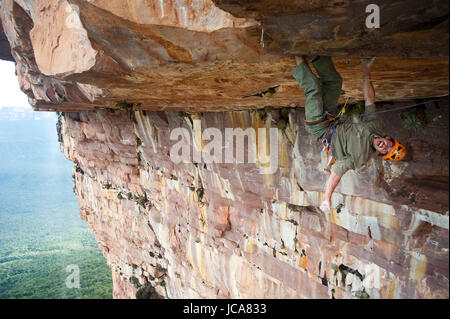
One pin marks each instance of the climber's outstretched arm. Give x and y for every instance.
(368, 90)
(332, 182)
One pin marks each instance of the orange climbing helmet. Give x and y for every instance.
(396, 154)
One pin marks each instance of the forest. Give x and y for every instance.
(41, 231)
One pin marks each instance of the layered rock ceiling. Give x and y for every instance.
(125, 74)
(207, 55)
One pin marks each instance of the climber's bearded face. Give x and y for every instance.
(383, 145)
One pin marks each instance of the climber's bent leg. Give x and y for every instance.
(331, 83)
(314, 111)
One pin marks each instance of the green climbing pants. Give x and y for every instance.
(322, 93)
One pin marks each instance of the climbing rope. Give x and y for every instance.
(401, 107)
(343, 110)
(404, 107)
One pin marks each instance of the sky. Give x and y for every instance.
(10, 93)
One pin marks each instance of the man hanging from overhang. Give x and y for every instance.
(350, 141)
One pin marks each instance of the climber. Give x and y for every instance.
(351, 141)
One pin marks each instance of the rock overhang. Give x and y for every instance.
(207, 55)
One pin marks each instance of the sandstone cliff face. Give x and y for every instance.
(120, 70)
(196, 230)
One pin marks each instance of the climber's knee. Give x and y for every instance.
(313, 87)
(314, 111)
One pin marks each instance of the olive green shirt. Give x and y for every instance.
(352, 141)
